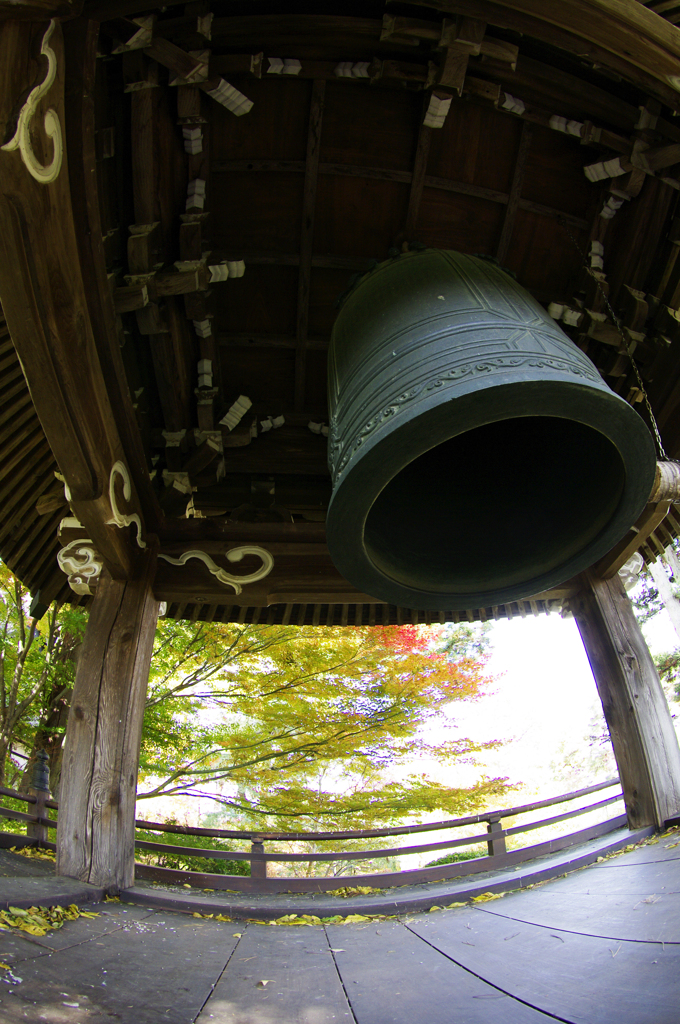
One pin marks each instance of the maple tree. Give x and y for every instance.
(37, 670)
(311, 724)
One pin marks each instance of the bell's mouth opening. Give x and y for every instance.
(494, 507)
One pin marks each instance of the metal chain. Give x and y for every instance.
(617, 323)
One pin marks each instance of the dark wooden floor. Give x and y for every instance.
(601, 946)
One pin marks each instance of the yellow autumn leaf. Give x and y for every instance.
(32, 929)
(432, 909)
(5, 966)
(352, 918)
(450, 906)
(237, 935)
(486, 896)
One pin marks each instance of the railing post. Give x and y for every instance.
(496, 847)
(40, 789)
(258, 868)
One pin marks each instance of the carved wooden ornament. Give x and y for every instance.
(22, 137)
(234, 555)
(118, 518)
(82, 564)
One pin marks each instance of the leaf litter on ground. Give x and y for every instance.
(38, 921)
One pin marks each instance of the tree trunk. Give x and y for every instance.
(95, 838)
(635, 708)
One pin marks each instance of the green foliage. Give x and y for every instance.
(37, 666)
(187, 862)
(304, 725)
(647, 602)
(453, 858)
(668, 667)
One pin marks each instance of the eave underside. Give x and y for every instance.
(324, 175)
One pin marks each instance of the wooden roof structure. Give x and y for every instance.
(185, 191)
(229, 167)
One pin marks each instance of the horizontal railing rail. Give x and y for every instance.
(373, 833)
(38, 823)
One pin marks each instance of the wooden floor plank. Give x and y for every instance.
(652, 917)
(576, 978)
(153, 968)
(302, 982)
(392, 977)
(626, 880)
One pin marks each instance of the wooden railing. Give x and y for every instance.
(494, 837)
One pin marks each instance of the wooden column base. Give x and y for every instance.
(95, 838)
(640, 725)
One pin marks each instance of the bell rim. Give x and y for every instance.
(381, 460)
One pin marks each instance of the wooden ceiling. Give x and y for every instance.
(332, 169)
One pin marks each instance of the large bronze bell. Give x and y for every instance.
(477, 455)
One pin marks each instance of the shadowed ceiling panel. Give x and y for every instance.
(542, 256)
(370, 127)
(257, 211)
(315, 36)
(315, 383)
(327, 287)
(359, 216)
(466, 223)
(476, 144)
(554, 173)
(270, 393)
(275, 128)
(263, 301)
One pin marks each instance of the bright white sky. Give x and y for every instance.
(544, 702)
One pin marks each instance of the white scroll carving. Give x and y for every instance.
(120, 520)
(82, 564)
(235, 555)
(22, 137)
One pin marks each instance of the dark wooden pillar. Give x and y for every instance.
(95, 838)
(640, 725)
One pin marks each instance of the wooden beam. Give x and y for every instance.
(634, 704)
(307, 237)
(243, 340)
(40, 10)
(652, 515)
(625, 38)
(418, 177)
(80, 40)
(45, 303)
(406, 177)
(515, 192)
(95, 838)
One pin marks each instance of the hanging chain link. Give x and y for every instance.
(626, 344)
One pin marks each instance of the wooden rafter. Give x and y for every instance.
(418, 179)
(307, 236)
(405, 177)
(515, 192)
(627, 38)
